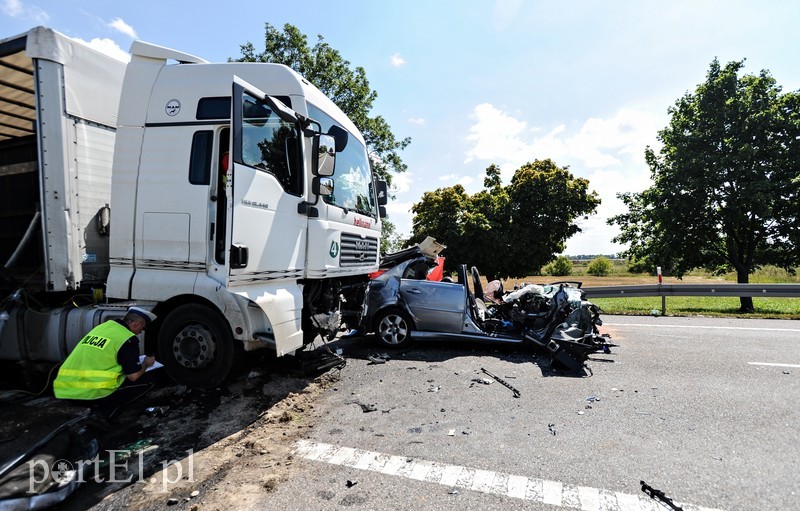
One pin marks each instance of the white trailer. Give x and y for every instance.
(240, 206)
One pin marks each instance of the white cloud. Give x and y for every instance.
(16, 9)
(400, 215)
(625, 134)
(466, 181)
(398, 60)
(119, 25)
(12, 8)
(608, 152)
(495, 135)
(108, 47)
(504, 13)
(417, 120)
(498, 137)
(456, 179)
(401, 182)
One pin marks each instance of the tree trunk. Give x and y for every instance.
(743, 277)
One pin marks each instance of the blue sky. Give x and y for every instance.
(586, 83)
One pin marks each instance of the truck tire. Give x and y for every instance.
(196, 346)
(393, 328)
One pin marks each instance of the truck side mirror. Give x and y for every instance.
(382, 211)
(340, 135)
(383, 192)
(322, 186)
(325, 150)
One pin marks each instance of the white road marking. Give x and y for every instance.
(771, 364)
(517, 486)
(663, 325)
(392, 466)
(421, 470)
(450, 475)
(551, 492)
(484, 481)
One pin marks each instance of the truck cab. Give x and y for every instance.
(222, 167)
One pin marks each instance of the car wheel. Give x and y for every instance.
(393, 328)
(196, 346)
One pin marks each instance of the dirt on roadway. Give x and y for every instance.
(222, 449)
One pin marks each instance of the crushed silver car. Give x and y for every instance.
(401, 306)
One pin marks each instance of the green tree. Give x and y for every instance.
(348, 87)
(600, 267)
(506, 230)
(561, 267)
(723, 195)
(440, 214)
(640, 266)
(545, 202)
(390, 239)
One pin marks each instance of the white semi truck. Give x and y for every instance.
(234, 200)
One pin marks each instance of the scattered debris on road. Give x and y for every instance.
(659, 496)
(378, 358)
(366, 408)
(502, 382)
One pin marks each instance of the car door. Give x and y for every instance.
(436, 306)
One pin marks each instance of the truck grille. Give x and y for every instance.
(358, 251)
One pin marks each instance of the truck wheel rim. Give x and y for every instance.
(194, 346)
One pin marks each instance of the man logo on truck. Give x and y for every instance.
(173, 107)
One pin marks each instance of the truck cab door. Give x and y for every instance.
(266, 236)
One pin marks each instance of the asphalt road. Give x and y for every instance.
(687, 406)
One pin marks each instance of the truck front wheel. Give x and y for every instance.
(196, 346)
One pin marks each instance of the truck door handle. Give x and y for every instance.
(414, 291)
(239, 256)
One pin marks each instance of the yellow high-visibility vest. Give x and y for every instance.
(91, 371)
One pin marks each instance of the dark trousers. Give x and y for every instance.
(127, 393)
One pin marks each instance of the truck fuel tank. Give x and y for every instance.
(50, 335)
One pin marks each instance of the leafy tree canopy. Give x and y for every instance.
(724, 193)
(506, 230)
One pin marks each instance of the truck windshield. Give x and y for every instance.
(352, 189)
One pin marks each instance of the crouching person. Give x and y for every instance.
(103, 371)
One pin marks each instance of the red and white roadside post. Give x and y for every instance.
(663, 298)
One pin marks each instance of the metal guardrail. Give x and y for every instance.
(760, 290)
(665, 290)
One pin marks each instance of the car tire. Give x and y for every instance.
(393, 328)
(196, 346)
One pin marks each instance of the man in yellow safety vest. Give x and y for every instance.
(104, 369)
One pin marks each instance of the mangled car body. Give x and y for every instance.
(402, 305)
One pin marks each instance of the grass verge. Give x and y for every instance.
(771, 308)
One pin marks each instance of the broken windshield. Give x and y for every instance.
(352, 177)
